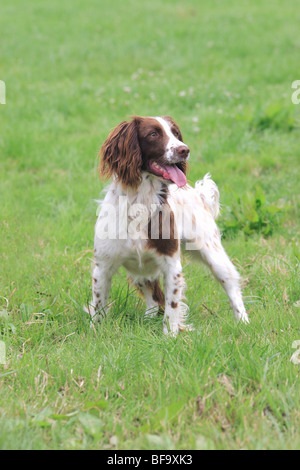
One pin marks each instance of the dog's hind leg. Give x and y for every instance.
(154, 297)
(213, 254)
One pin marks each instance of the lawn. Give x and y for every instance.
(223, 71)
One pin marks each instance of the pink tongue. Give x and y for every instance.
(174, 174)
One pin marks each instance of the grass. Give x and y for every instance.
(72, 72)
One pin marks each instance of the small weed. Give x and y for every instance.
(274, 117)
(251, 213)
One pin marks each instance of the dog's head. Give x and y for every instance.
(145, 144)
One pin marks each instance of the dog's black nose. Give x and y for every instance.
(183, 151)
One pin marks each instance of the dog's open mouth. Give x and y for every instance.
(169, 172)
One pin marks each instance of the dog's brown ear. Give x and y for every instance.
(121, 154)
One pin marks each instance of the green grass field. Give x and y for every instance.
(223, 71)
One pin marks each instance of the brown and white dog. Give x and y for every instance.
(148, 212)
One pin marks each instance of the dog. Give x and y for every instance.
(148, 214)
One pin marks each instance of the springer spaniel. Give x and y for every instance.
(149, 210)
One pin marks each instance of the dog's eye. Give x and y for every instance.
(153, 134)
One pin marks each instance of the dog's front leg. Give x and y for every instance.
(175, 309)
(102, 276)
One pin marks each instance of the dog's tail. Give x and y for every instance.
(209, 193)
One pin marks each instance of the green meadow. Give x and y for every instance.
(224, 72)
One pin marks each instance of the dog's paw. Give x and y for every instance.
(184, 327)
(96, 317)
(242, 317)
(173, 329)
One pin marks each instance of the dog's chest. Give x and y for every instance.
(124, 219)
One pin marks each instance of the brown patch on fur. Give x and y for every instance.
(157, 294)
(162, 231)
(174, 304)
(153, 147)
(175, 291)
(156, 291)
